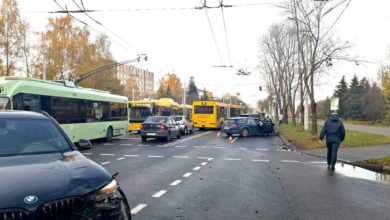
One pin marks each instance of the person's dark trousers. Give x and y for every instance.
(333, 147)
(280, 123)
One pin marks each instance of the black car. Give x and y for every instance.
(44, 176)
(160, 127)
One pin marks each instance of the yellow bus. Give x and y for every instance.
(142, 109)
(235, 110)
(208, 114)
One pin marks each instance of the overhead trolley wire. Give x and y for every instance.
(226, 36)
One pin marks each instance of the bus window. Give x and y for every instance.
(139, 114)
(61, 110)
(4, 103)
(78, 111)
(204, 109)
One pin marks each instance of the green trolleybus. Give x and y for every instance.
(82, 113)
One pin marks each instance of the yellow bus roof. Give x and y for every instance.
(220, 104)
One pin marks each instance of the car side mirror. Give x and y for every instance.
(84, 144)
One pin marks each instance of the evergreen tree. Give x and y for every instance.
(205, 96)
(341, 92)
(354, 99)
(192, 93)
(374, 109)
(365, 98)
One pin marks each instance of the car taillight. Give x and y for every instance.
(162, 127)
(142, 127)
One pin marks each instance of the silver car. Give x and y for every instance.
(185, 124)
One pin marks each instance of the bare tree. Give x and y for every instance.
(316, 46)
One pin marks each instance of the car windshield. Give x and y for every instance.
(156, 120)
(30, 136)
(4, 103)
(178, 118)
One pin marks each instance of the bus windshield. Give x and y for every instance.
(4, 103)
(204, 109)
(139, 114)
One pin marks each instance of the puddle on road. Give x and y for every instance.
(357, 172)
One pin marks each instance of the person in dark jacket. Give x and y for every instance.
(335, 134)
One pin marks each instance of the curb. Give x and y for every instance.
(372, 167)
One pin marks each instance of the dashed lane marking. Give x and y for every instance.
(204, 163)
(131, 155)
(240, 148)
(181, 146)
(159, 194)
(210, 159)
(232, 159)
(199, 146)
(143, 145)
(182, 157)
(261, 149)
(87, 153)
(108, 144)
(187, 174)
(234, 140)
(138, 208)
(187, 139)
(126, 145)
(120, 158)
(155, 156)
(107, 154)
(319, 162)
(196, 168)
(219, 147)
(290, 161)
(175, 183)
(204, 158)
(254, 160)
(107, 162)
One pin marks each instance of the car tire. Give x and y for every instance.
(144, 139)
(244, 132)
(192, 130)
(178, 136)
(168, 137)
(185, 131)
(125, 208)
(109, 134)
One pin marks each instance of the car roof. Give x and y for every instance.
(237, 118)
(22, 114)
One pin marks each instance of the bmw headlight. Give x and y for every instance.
(108, 195)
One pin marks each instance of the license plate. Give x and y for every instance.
(151, 134)
(226, 127)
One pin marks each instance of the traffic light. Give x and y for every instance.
(260, 87)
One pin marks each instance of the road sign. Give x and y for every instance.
(334, 104)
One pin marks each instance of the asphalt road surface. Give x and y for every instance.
(204, 177)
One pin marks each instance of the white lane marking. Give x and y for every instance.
(138, 208)
(107, 162)
(187, 175)
(200, 146)
(108, 144)
(196, 168)
(143, 145)
(126, 144)
(182, 157)
(107, 154)
(234, 140)
(155, 156)
(240, 148)
(210, 159)
(321, 162)
(131, 155)
(87, 153)
(159, 194)
(187, 139)
(263, 149)
(120, 158)
(219, 147)
(205, 158)
(281, 150)
(181, 146)
(290, 161)
(125, 138)
(232, 159)
(254, 160)
(204, 163)
(175, 183)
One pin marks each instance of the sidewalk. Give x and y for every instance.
(355, 154)
(364, 128)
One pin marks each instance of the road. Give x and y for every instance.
(365, 128)
(204, 177)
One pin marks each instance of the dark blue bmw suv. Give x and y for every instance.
(44, 176)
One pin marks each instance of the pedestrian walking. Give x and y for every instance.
(280, 120)
(334, 131)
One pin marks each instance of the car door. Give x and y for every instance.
(174, 128)
(252, 126)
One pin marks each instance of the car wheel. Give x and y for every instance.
(244, 132)
(178, 136)
(125, 208)
(185, 131)
(192, 130)
(109, 134)
(143, 139)
(168, 137)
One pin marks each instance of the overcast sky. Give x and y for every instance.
(181, 40)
